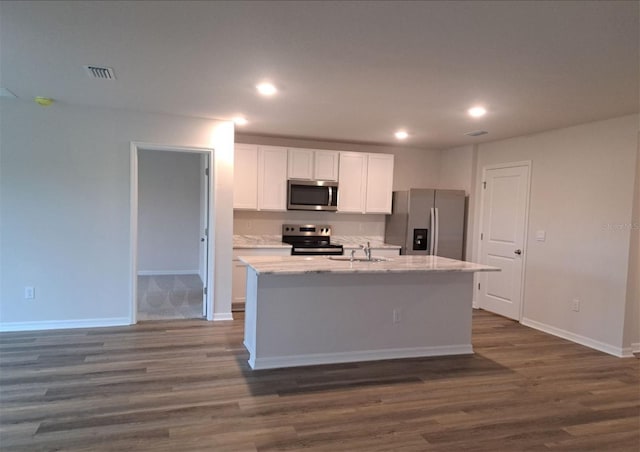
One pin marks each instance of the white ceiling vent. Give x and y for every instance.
(100, 72)
(4, 92)
(476, 133)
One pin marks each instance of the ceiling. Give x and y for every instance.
(346, 71)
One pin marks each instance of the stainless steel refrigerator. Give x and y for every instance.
(427, 221)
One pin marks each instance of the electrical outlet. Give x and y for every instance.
(397, 317)
(575, 305)
(29, 292)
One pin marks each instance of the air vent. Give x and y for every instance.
(4, 92)
(476, 133)
(100, 72)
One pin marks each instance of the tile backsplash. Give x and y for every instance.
(257, 223)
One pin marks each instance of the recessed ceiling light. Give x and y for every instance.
(401, 135)
(477, 112)
(240, 121)
(266, 89)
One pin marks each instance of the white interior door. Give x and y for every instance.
(503, 225)
(204, 228)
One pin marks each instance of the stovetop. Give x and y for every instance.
(310, 239)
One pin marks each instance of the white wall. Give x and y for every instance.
(413, 168)
(457, 168)
(457, 172)
(582, 181)
(168, 212)
(65, 213)
(632, 311)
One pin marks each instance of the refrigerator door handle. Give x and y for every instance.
(432, 231)
(437, 223)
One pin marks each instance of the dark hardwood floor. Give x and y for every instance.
(185, 385)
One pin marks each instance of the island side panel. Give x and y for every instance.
(318, 318)
(250, 312)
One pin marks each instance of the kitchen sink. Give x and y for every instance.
(358, 259)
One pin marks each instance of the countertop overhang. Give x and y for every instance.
(298, 265)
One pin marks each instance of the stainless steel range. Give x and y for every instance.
(310, 239)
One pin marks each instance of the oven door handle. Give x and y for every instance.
(316, 250)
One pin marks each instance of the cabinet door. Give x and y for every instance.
(272, 178)
(326, 165)
(300, 164)
(379, 183)
(352, 182)
(245, 177)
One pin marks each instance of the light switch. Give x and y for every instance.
(541, 236)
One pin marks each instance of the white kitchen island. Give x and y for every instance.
(304, 310)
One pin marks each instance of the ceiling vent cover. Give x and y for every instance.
(476, 133)
(100, 72)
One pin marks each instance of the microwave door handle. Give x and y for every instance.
(330, 196)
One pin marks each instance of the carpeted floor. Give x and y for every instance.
(162, 297)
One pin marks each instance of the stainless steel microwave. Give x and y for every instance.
(312, 195)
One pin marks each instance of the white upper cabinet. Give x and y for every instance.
(272, 178)
(300, 164)
(245, 177)
(351, 183)
(379, 183)
(313, 164)
(366, 182)
(326, 165)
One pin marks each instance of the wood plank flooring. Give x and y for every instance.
(185, 385)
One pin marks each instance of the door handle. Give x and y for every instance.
(518, 252)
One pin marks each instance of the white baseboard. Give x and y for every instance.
(577, 338)
(222, 316)
(167, 272)
(64, 324)
(627, 352)
(348, 357)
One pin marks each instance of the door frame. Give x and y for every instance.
(479, 218)
(133, 199)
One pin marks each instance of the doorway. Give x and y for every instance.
(503, 231)
(171, 256)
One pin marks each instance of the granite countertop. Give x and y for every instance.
(354, 241)
(259, 241)
(297, 265)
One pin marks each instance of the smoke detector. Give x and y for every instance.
(100, 72)
(476, 133)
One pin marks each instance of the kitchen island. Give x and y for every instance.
(304, 310)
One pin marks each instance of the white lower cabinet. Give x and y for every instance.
(239, 272)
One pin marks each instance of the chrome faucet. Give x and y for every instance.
(353, 253)
(367, 250)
